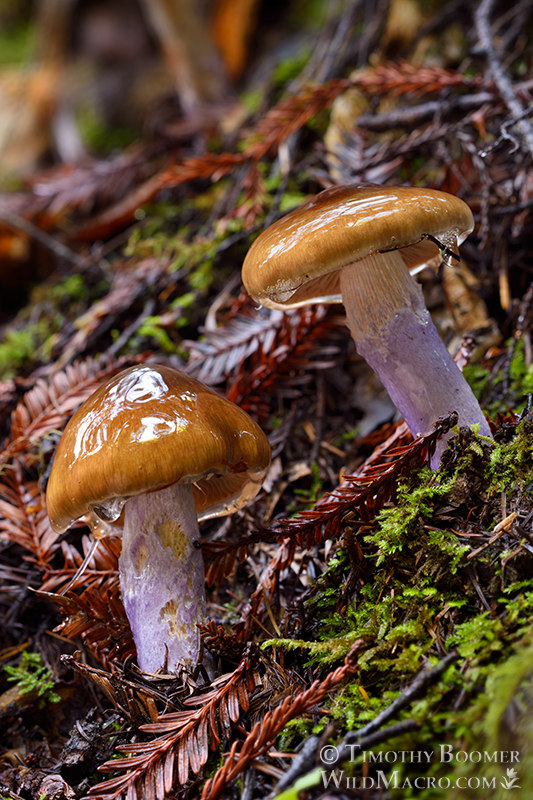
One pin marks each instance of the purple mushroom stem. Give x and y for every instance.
(162, 577)
(394, 333)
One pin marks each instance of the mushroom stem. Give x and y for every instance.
(162, 577)
(394, 333)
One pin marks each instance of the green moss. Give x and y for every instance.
(100, 138)
(520, 374)
(414, 505)
(479, 378)
(308, 497)
(346, 436)
(496, 674)
(17, 43)
(510, 684)
(289, 69)
(252, 100)
(32, 676)
(33, 335)
(480, 704)
(327, 651)
(418, 598)
(70, 288)
(153, 328)
(195, 256)
(19, 348)
(488, 388)
(511, 463)
(186, 300)
(308, 14)
(291, 200)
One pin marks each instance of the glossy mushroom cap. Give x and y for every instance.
(297, 259)
(149, 427)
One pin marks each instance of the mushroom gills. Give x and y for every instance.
(109, 510)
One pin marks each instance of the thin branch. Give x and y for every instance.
(59, 249)
(369, 735)
(501, 79)
(405, 117)
(424, 679)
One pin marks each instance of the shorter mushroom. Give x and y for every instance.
(168, 451)
(356, 245)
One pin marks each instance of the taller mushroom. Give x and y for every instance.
(169, 451)
(356, 245)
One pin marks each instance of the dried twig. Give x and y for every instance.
(370, 734)
(501, 79)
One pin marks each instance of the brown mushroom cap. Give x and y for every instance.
(297, 259)
(149, 427)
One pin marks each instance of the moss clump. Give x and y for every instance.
(17, 43)
(32, 677)
(193, 258)
(434, 580)
(71, 288)
(18, 348)
(511, 463)
(507, 388)
(402, 526)
(99, 137)
(34, 333)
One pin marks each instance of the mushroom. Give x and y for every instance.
(357, 245)
(168, 451)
